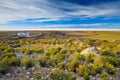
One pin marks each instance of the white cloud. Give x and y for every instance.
(60, 26)
(24, 9)
(92, 26)
(11, 10)
(45, 20)
(104, 10)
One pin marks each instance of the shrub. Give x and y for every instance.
(108, 53)
(10, 60)
(112, 60)
(26, 51)
(53, 51)
(97, 68)
(61, 75)
(55, 59)
(82, 69)
(8, 50)
(73, 65)
(4, 68)
(90, 42)
(98, 64)
(92, 70)
(36, 49)
(86, 75)
(44, 61)
(110, 68)
(104, 76)
(27, 62)
(116, 49)
(9, 55)
(89, 57)
(77, 56)
(37, 76)
(61, 65)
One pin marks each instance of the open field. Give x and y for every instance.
(109, 35)
(102, 35)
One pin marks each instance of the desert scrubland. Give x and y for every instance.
(60, 55)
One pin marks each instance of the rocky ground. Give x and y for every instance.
(22, 73)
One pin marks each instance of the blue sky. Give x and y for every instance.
(59, 14)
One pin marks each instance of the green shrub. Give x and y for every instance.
(112, 60)
(10, 60)
(90, 42)
(98, 67)
(9, 55)
(108, 53)
(104, 76)
(110, 68)
(26, 51)
(4, 68)
(53, 51)
(27, 62)
(44, 61)
(37, 76)
(61, 75)
(92, 71)
(36, 49)
(73, 65)
(86, 75)
(82, 69)
(62, 65)
(77, 56)
(89, 57)
(116, 49)
(8, 50)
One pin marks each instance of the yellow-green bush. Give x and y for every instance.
(61, 75)
(26, 51)
(27, 62)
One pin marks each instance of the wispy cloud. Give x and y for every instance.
(66, 26)
(11, 10)
(92, 11)
(24, 9)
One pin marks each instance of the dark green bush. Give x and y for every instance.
(4, 68)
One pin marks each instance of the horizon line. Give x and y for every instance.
(60, 29)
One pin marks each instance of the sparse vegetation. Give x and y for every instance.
(52, 57)
(61, 75)
(27, 62)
